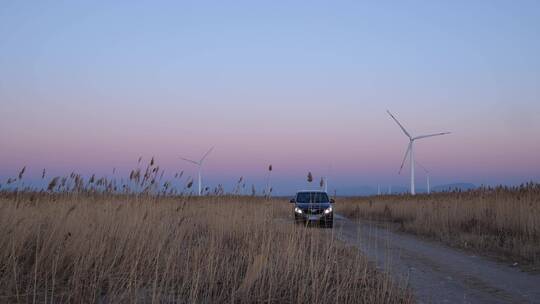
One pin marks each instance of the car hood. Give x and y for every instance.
(313, 205)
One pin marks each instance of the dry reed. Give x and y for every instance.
(122, 248)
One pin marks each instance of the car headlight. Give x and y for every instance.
(327, 210)
(298, 210)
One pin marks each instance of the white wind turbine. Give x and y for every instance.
(427, 177)
(199, 165)
(410, 149)
(326, 178)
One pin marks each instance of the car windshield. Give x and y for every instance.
(312, 197)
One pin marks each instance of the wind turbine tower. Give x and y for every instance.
(427, 177)
(410, 149)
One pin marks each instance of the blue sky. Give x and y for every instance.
(91, 86)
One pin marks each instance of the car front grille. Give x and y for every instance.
(313, 211)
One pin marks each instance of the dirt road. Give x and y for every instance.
(436, 273)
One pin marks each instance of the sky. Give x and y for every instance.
(302, 85)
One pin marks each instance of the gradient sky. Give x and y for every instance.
(303, 86)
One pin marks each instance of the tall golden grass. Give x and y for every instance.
(500, 221)
(95, 247)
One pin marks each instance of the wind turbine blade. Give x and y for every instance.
(405, 157)
(402, 128)
(423, 168)
(430, 135)
(206, 154)
(189, 160)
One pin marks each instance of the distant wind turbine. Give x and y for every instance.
(427, 176)
(199, 165)
(326, 178)
(410, 149)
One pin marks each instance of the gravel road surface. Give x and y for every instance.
(437, 273)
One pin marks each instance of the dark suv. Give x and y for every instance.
(313, 206)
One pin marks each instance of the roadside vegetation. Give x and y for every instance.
(503, 222)
(87, 242)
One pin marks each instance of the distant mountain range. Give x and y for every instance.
(368, 190)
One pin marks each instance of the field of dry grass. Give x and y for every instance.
(104, 248)
(504, 222)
